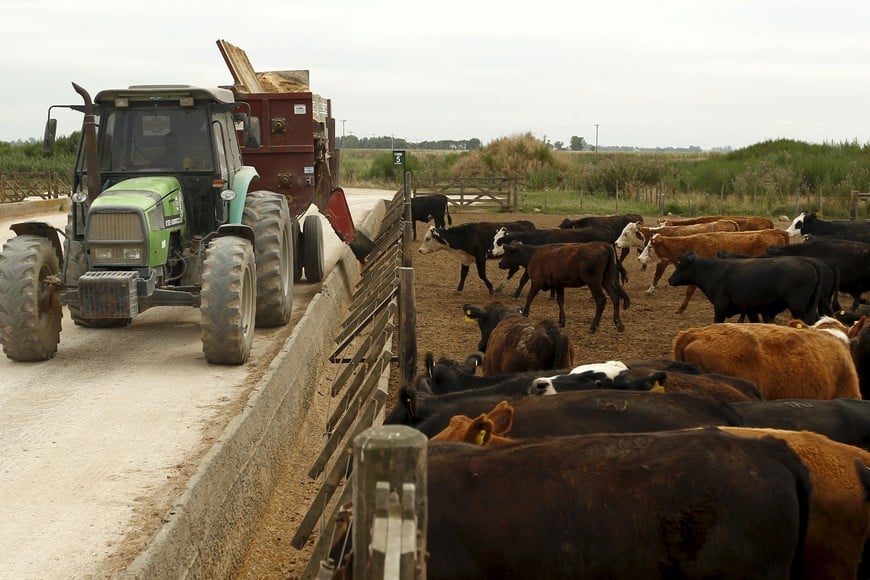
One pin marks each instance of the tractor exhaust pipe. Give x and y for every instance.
(89, 134)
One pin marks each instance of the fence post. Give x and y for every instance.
(390, 510)
(407, 326)
(853, 205)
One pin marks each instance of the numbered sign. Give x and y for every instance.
(398, 157)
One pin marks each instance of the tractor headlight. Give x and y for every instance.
(79, 197)
(128, 255)
(228, 195)
(103, 253)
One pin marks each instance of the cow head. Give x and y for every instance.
(630, 236)
(448, 375)
(487, 318)
(502, 236)
(511, 259)
(433, 241)
(798, 224)
(648, 255)
(684, 269)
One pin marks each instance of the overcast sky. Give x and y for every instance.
(665, 73)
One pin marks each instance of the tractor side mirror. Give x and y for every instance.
(49, 136)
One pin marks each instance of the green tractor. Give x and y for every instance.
(161, 215)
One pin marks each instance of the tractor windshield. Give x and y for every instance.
(156, 139)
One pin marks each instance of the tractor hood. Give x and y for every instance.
(157, 197)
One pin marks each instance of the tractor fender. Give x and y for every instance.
(241, 185)
(42, 230)
(238, 230)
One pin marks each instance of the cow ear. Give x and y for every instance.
(502, 417)
(430, 363)
(472, 313)
(479, 431)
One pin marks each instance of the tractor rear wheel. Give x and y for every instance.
(30, 313)
(269, 216)
(312, 248)
(228, 301)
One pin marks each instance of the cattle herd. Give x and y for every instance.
(727, 437)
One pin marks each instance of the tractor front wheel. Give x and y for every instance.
(228, 301)
(30, 312)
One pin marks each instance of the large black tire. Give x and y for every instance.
(312, 248)
(30, 314)
(268, 214)
(297, 250)
(229, 297)
(77, 265)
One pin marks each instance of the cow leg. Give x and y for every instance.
(689, 291)
(414, 229)
(560, 300)
(523, 280)
(508, 276)
(481, 272)
(600, 302)
(614, 298)
(463, 273)
(623, 253)
(660, 269)
(533, 291)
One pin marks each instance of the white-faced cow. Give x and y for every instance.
(469, 243)
(434, 207)
(809, 224)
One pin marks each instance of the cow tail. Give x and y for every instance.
(816, 298)
(683, 339)
(835, 303)
(562, 355)
(447, 213)
(617, 275)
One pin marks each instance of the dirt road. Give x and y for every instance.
(97, 443)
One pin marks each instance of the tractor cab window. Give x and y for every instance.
(155, 139)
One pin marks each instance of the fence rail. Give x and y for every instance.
(471, 192)
(15, 187)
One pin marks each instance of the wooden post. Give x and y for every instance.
(853, 206)
(390, 513)
(407, 327)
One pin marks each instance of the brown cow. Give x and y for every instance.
(673, 504)
(839, 512)
(636, 235)
(746, 223)
(784, 362)
(665, 250)
(592, 264)
(513, 343)
(488, 429)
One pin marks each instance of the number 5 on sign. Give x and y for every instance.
(398, 157)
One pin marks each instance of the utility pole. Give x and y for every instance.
(343, 121)
(596, 137)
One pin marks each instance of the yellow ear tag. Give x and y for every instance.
(480, 438)
(468, 317)
(657, 388)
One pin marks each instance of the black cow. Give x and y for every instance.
(592, 264)
(829, 299)
(416, 406)
(685, 504)
(615, 223)
(843, 420)
(808, 224)
(470, 243)
(707, 385)
(753, 285)
(850, 258)
(426, 207)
